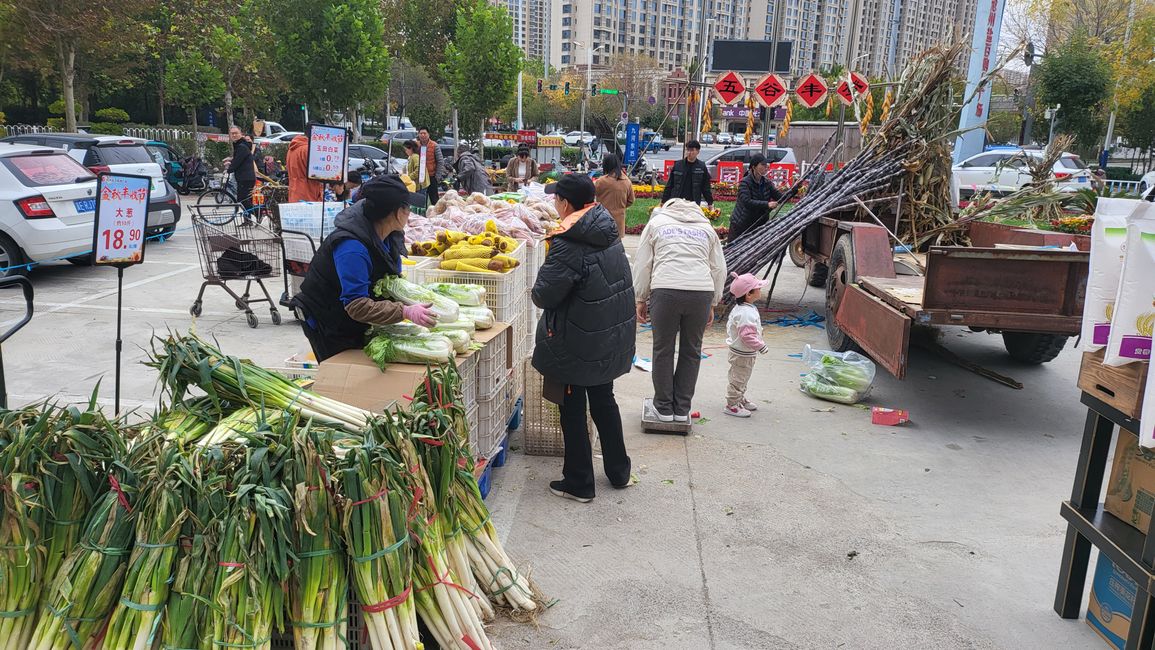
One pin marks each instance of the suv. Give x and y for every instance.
(743, 154)
(119, 154)
(1005, 172)
(47, 204)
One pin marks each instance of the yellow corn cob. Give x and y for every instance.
(506, 261)
(491, 226)
(473, 269)
(457, 264)
(466, 251)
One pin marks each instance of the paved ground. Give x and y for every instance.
(739, 536)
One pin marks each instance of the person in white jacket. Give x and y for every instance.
(679, 275)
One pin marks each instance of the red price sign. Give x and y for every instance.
(770, 91)
(121, 217)
(729, 87)
(811, 90)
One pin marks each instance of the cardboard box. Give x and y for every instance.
(353, 378)
(1131, 488)
(1113, 596)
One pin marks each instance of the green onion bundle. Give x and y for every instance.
(22, 520)
(320, 584)
(188, 361)
(381, 495)
(136, 619)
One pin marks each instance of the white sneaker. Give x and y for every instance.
(652, 414)
(663, 418)
(737, 411)
(749, 406)
(681, 418)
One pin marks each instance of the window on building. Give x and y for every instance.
(565, 58)
(565, 33)
(565, 47)
(567, 8)
(566, 21)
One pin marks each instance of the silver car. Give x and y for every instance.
(47, 205)
(743, 154)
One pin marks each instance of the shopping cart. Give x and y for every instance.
(232, 251)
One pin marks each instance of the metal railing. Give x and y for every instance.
(1129, 187)
(28, 129)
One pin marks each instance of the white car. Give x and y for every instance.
(359, 153)
(1003, 172)
(576, 138)
(47, 204)
(280, 138)
(725, 137)
(743, 154)
(1146, 183)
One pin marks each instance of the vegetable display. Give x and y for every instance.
(402, 290)
(486, 252)
(252, 531)
(429, 348)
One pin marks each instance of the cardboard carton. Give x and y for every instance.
(1131, 488)
(353, 378)
(1113, 596)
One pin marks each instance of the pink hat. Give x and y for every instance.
(745, 283)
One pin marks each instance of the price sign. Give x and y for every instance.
(730, 172)
(328, 152)
(121, 216)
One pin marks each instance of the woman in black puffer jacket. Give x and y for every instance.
(585, 339)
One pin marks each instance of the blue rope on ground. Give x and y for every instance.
(813, 319)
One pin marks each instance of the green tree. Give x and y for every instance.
(1137, 120)
(330, 52)
(429, 115)
(1077, 76)
(191, 81)
(421, 31)
(481, 64)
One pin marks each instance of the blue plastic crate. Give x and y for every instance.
(483, 483)
(515, 417)
(498, 459)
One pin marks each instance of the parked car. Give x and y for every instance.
(399, 135)
(1004, 171)
(576, 138)
(742, 154)
(1146, 183)
(652, 141)
(120, 154)
(47, 204)
(707, 138)
(725, 138)
(284, 137)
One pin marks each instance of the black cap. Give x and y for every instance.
(384, 195)
(577, 189)
(756, 159)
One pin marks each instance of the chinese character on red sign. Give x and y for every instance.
(844, 93)
(811, 90)
(770, 91)
(861, 85)
(729, 87)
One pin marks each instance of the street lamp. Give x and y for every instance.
(586, 92)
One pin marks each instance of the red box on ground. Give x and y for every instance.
(888, 417)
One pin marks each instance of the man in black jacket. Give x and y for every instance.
(585, 338)
(757, 196)
(690, 178)
(243, 167)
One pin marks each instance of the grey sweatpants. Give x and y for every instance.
(679, 317)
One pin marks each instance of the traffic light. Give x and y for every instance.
(540, 83)
(593, 89)
(567, 87)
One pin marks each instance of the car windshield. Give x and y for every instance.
(119, 154)
(1072, 162)
(41, 170)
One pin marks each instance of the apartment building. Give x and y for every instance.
(669, 31)
(889, 33)
(531, 25)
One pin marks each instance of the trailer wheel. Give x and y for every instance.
(1032, 347)
(840, 276)
(797, 255)
(816, 273)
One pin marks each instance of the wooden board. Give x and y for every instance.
(882, 331)
(656, 426)
(1120, 387)
(904, 292)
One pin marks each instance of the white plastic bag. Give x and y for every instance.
(844, 377)
(1147, 417)
(1108, 237)
(1134, 314)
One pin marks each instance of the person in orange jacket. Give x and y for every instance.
(297, 162)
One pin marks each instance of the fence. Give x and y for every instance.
(28, 129)
(1129, 187)
(172, 135)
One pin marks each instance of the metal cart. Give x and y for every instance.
(236, 252)
(26, 286)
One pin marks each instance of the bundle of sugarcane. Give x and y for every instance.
(83, 593)
(320, 582)
(136, 619)
(22, 522)
(381, 501)
(187, 360)
(251, 578)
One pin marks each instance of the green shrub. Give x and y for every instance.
(114, 115)
(106, 128)
(57, 107)
(3, 131)
(215, 152)
(56, 123)
(1122, 174)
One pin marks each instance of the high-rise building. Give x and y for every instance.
(816, 28)
(531, 25)
(669, 31)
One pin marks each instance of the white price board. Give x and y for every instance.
(328, 152)
(121, 217)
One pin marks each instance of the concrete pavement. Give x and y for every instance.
(803, 527)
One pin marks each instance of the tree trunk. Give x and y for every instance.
(229, 105)
(160, 96)
(66, 58)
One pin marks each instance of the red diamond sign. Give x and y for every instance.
(861, 85)
(729, 87)
(858, 83)
(770, 91)
(811, 90)
(844, 93)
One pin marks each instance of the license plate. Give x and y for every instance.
(1082, 179)
(85, 205)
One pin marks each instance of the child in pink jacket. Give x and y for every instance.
(744, 336)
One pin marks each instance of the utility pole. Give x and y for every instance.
(1115, 105)
(774, 23)
(851, 49)
(705, 35)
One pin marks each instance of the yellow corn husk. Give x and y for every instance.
(460, 252)
(506, 261)
(462, 265)
(491, 226)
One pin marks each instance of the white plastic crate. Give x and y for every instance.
(519, 327)
(298, 366)
(471, 418)
(492, 418)
(468, 371)
(502, 290)
(492, 371)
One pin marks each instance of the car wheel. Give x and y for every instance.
(10, 256)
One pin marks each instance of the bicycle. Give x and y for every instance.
(219, 206)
